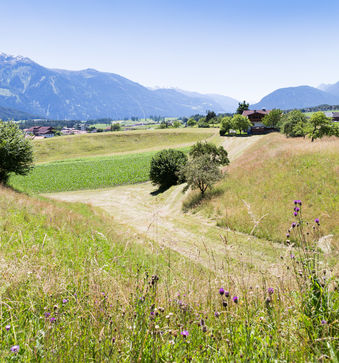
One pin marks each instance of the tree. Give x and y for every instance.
(210, 117)
(176, 124)
(241, 123)
(115, 127)
(202, 123)
(201, 173)
(16, 151)
(273, 119)
(217, 155)
(191, 122)
(226, 125)
(320, 125)
(242, 106)
(164, 124)
(294, 124)
(165, 167)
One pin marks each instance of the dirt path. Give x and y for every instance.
(160, 218)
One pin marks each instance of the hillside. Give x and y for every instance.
(331, 88)
(258, 191)
(7, 114)
(130, 277)
(296, 97)
(89, 94)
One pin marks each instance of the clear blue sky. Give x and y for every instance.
(242, 49)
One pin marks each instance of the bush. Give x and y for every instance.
(115, 127)
(165, 167)
(16, 152)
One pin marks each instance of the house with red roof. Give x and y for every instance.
(256, 116)
(44, 131)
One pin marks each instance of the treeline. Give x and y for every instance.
(317, 108)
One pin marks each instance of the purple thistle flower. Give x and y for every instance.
(323, 322)
(65, 301)
(297, 209)
(317, 221)
(217, 314)
(47, 315)
(270, 290)
(185, 333)
(221, 291)
(287, 234)
(227, 293)
(7, 327)
(52, 319)
(295, 214)
(15, 349)
(293, 225)
(235, 299)
(299, 202)
(292, 256)
(295, 202)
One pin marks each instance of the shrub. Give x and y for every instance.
(226, 125)
(116, 127)
(16, 152)
(165, 167)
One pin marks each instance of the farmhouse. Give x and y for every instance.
(44, 131)
(335, 116)
(256, 116)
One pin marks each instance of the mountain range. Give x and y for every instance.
(90, 94)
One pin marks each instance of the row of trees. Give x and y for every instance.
(237, 122)
(200, 171)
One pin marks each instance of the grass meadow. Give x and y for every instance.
(76, 146)
(86, 173)
(259, 187)
(75, 286)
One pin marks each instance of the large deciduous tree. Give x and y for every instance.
(294, 124)
(217, 155)
(273, 119)
(319, 126)
(241, 123)
(16, 151)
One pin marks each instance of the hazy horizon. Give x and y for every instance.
(241, 50)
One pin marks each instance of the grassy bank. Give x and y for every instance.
(67, 147)
(75, 286)
(260, 187)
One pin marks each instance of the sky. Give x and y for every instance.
(239, 48)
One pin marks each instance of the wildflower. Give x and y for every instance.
(65, 301)
(204, 329)
(270, 290)
(15, 349)
(47, 315)
(184, 333)
(295, 214)
(293, 225)
(52, 319)
(292, 256)
(217, 314)
(295, 202)
(287, 235)
(299, 202)
(297, 209)
(7, 327)
(221, 291)
(317, 221)
(235, 299)
(227, 293)
(323, 322)
(224, 303)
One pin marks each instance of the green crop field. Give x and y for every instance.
(86, 173)
(108, 143)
